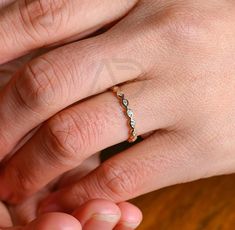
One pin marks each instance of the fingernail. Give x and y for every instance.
(130, 225)
(102, 221)
(112, 218)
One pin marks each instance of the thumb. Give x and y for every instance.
(52, 221)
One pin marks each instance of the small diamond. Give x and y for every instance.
(125, 102)
(130, 113)
(133, 123)
(133, 137)
(133, 133)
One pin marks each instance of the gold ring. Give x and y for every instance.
(128, 112)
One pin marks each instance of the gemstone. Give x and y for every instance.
(133, 123)
(133, 136)
(130, 113)
(133, 133)
(125, 102)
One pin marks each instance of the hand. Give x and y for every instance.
(184, 93)
(59, 15)
(50, 221)
(107, 214)
(96, 214)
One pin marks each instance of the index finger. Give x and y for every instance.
(30, 24)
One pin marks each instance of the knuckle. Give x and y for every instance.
(36, 87)
(73, 134)
(184, 27)
(65, 138)
(118, 182)
(43, 16)
(81, 192)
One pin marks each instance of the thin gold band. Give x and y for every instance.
(129, 113)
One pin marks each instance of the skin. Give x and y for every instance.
(175, 61)
(123, 216)
(88, 217)
(48, 221)
(105, 214)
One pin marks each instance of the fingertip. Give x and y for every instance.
(55, 221)
(100, 209)
(131, 216)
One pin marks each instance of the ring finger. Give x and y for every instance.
(53, 82)
(74, 134)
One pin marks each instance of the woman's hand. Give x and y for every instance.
(91, 215)
(176, 62)
(96, 214)
(50, 221)
(58, 221)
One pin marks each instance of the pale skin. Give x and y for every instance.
(182, 91)
(97, 213)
